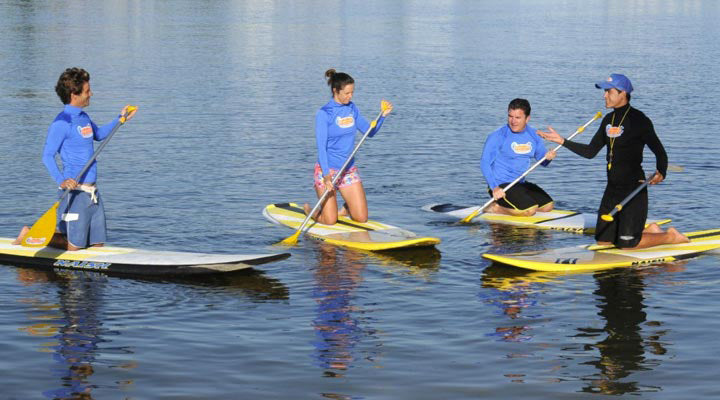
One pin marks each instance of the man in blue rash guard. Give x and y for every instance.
(506, 155)
(336, 124)
(81, 216)
(624, 132)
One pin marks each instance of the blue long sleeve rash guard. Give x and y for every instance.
(507, 154)
(71, 134)
(335, 127)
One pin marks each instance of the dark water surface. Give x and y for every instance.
(227, 93)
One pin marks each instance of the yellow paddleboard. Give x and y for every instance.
(584, 258)
(370, 235)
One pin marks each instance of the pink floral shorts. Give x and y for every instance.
(348, 177)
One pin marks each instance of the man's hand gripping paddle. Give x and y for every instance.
(610, 216)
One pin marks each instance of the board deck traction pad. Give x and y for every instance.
(594, 257)
(130, 261)
(579, 222)
(379, 236)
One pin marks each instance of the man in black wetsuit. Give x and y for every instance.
(625, 131)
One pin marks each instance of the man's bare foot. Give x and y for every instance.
(653, 228)
(676, 236)
(343, 211)
(23, 232)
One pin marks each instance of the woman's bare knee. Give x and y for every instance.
(360, 218)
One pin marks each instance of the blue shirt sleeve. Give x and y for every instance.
(103, 131)
(321, 137)
(540, 150)
(363, 124)
(53, 142)
(490, 150)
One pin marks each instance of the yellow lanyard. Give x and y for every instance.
(612, 139)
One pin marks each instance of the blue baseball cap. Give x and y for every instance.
(617, 81)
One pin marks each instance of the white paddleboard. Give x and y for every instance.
(123, 260)
(563, 220)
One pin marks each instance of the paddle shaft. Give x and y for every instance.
(95, 154)
(619, 207)
(340, 172)
(542, 160)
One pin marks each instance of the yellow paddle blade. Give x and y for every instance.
(384, 105)
(43, 230)
(470, 217)
(292, 240)
(607, 217)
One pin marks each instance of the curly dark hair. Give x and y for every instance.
(71, 82)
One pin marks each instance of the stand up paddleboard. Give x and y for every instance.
(562, 220)
(593, 257)
(370, 235)
(123, 260)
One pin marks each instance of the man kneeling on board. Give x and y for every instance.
(506, 155)
(625, 132)
(81, 221)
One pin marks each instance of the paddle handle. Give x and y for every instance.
(335, 179)
(609, 216)
(524, 174)
(99, 148)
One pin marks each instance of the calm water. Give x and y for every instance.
(227, 94)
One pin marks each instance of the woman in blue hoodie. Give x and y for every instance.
(335, 126)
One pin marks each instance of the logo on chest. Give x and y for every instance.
(85, 131)
(345, 122)
(521, 148)
(614, 131)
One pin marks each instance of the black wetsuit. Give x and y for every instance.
(624, 171)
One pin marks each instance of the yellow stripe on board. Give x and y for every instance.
(552, 267)
(685, 247)
(379, 246)
(695, 237)
(295, 218)
(53, 253)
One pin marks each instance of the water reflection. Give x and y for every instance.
(340, 324)
(515, 294)
(626, 343)
(254, 284)
(623, 349)
(75, 326)
(508, 238)
(423, 262)
(515, 288)
(75, 322)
